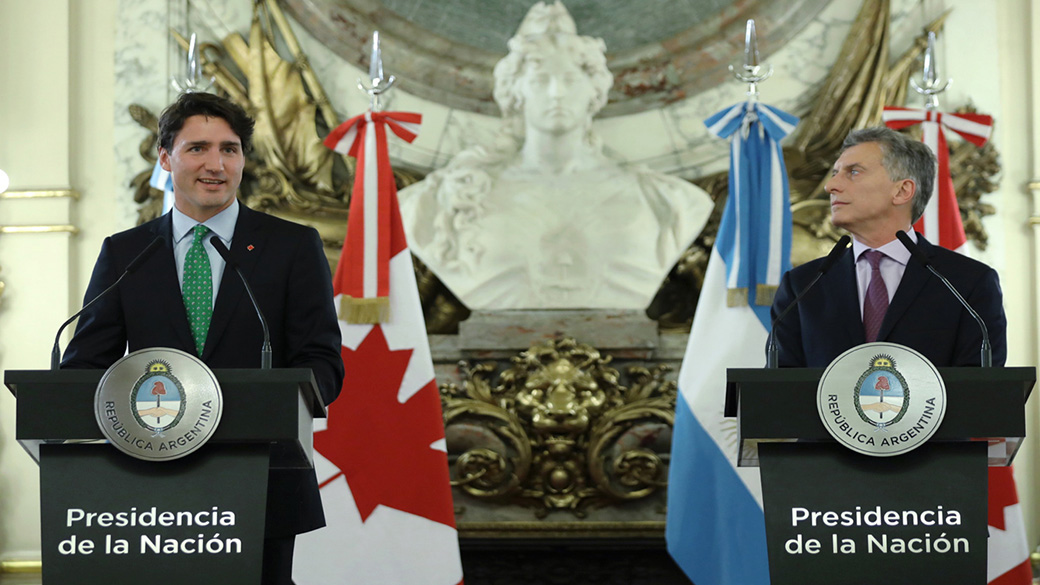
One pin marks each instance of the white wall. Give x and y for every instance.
(56, 122)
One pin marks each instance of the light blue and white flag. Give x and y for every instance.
(715, 526)
(162, 181)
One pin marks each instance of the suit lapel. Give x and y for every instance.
(161, 273)
(914, 279)
(231, 291)
(847, 293)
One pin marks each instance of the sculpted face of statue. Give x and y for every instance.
(547, 48)
(544, 218)
(557, 96)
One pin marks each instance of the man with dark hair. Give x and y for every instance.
(181, 297)
(881, 184)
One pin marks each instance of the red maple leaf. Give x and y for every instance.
(382, 446)
(1002, 494)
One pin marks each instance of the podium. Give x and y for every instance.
(835, 516)
(107, 517)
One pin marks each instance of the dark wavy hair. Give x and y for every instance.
(204, 104)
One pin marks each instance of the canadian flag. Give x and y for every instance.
(1008, 556)
(1008, 559)
(381, 457)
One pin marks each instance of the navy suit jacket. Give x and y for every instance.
(287, 269)
(923, 315)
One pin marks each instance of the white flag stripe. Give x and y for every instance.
(930, 132)
(343, 146)
(371, 198)
(952, 121)
(967, 126)
(411, 127)
(732, 280)
(893, 115)
(776, 217)
(787, 127)
(735, 111)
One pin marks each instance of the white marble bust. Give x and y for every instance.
(543, 219)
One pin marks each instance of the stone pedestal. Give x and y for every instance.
(559, 433)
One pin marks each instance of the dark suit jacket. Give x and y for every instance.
(923, 314)
(286, 266)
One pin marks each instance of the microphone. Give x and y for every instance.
(839, 249)
(265, 351)
(915, 251)
(130, 269)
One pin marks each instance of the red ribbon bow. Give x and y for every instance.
(374, 230)
(942, 218)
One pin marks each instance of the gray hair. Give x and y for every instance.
(903, 158)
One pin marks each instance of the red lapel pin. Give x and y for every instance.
(249, 247)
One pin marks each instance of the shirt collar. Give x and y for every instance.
(894, 249)
(221, 224)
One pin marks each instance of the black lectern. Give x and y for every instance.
(110, 518)
(834, 516)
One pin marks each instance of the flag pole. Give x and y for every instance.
(378, 84)
(751, 72)
(193, 80)
(930, 85)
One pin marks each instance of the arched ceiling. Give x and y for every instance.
(660, 51)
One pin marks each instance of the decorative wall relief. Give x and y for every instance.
(560, 429)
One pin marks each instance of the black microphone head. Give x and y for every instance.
(222, 250)
(836, 253)
(913, 248)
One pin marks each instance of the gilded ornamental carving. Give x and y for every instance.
(559, 429)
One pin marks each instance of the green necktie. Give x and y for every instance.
(198, 288)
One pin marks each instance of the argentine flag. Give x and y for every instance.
(715, 528)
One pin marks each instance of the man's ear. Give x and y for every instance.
(164, 159)
(905, 194)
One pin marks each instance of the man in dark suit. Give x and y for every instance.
(879, 185)
(183, 298)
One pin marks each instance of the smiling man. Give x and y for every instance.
(181, 298)
(881, 184)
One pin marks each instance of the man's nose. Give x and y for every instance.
(831, 185)
(215, 161)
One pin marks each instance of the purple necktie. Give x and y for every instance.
(875, 302)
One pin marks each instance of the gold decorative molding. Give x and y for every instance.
(38, 229)
(10, 567)
(1033, 185)
(41, 194)
(558, 431)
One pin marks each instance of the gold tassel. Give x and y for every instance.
(736, 297)
(764, 294)
(370, 311)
